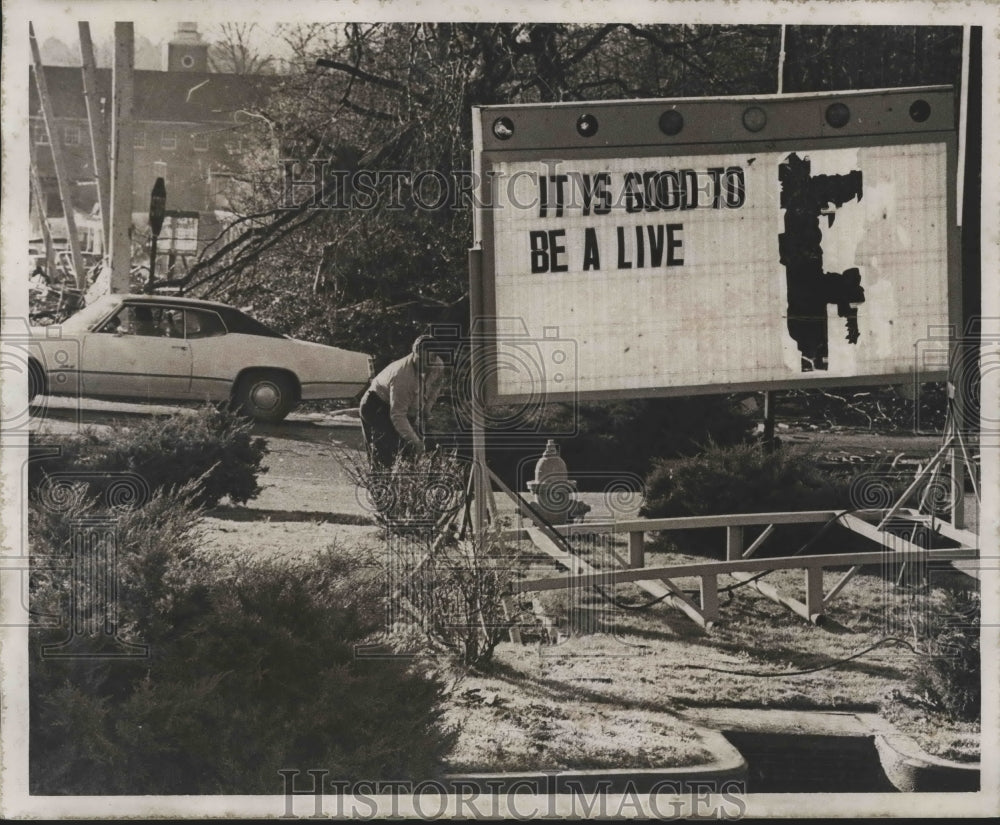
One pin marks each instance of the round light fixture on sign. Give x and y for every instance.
(671, 122)
(920, 110)
(187, 61)
(586, 125)
(503, 128)
(838, 115)
(754, 119)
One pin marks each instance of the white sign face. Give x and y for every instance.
(179, 233)
(720, 269)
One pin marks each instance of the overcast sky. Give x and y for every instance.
(157, 30)
(157, 19)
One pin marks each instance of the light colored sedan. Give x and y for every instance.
(146, 347)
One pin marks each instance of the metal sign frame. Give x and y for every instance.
(639, 129)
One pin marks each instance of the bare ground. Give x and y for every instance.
(613, 692)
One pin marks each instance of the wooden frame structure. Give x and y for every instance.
(881, 526)
(740, 562)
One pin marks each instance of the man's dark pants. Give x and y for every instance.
(381, 439)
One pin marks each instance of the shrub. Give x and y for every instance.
(155, 548)
(457, 591)
(211, 445)
(742, 479)
(950, 679)
(250, 669)
(598, 441)
(451, 589)
(415, 494)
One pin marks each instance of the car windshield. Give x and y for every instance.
(87, 317)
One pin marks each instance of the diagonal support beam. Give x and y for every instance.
(888, 540)
(807, 612)
(840, 585)
(677, 598)
(659, 589)
(757, 542)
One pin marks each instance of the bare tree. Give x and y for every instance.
(234, 51)
(398, 97)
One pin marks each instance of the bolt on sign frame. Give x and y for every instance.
(700, 245)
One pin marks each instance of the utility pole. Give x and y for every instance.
(122, 152)
(781, 62)
(48, 115)
(98, 138)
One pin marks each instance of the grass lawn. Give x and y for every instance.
(531, 712)
(612, 691)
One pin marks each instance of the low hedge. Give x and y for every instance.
(211, 446)
(745, 478)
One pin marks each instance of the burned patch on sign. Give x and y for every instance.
(806, 197)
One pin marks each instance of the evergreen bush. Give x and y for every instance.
(745, 478)
(249, 668)
(950, 682)
(211, 445)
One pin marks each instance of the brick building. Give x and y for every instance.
(188, 128)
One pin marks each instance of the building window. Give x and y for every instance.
(200, 141)
(71, 135)
(139, 139)
(41, 134)
(168, 140)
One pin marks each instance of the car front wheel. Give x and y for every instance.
(265, 396)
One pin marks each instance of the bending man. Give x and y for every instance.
(403, 389)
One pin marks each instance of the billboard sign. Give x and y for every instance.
(710, 245)
(180, 232)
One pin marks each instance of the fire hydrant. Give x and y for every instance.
(554, 493)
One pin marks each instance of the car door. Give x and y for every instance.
(216, 354)
(140, 352)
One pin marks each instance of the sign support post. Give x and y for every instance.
(480, 481)
(157, 210)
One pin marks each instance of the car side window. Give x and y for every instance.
(141, 320)
(172, 323)
(203, 324)
(123, 322)
(146, 321)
